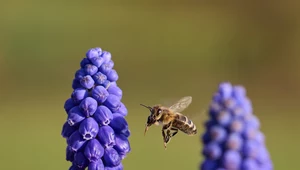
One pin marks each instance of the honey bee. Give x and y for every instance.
(171, 120)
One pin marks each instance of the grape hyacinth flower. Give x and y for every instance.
(233, 140)
(96, 130)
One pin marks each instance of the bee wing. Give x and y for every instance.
(182, 104)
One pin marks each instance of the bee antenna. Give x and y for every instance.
(148, 107)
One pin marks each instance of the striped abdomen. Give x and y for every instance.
(184, 124)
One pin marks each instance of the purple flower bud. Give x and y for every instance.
(113, 102)
(122, 146)
(111, 157)
(80, 74)
(234, 142)
(94, 151)
(76, 84)
(88, 106)
(76, 141)
(119, 167)
(209, 165)
(249, 164)
(97, 61)
(224, 118)
(232, 160)
(92, 53)
(87, 82)
(84, 62)
(107, 84)
(89, 128)
(106, 56)
(115, 90)
(106, 136)
(218, 134)
(212, 151)
(250, 149)
(103, 115)
(67, 130)
(69, 104)
(225, 90)
(75, 167)
(105, 68)
(80, 160)
(122, 110)
(99, 78)
(119, 124)
(98, 165)
(75, 116)
(78, 95)
(99, 50)
(69, 154)
(100, 94)
(90, 69)
(236, 126)
(112, 75)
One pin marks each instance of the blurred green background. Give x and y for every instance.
(163, 50)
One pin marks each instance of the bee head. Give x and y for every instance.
(155, 114)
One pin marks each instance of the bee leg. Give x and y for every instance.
(166, 137)
(175, 131)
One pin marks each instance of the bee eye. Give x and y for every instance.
(159, 111)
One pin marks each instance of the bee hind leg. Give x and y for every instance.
(175, 131)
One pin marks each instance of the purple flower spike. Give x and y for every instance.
(80, 160)
(67, 130)
(94, 150)
(103, 115)
(111, 157)
(69, 104)
(87, 82)
(119, 124)
(106, 136)
(88, 106)
(76, 141)
(122, 146)
(90, 69)
(78, 95)
(100, 94)
(99, 78)
(98, 165)
(233, 140)
(94, 140)
(113, 102)
(89, 128)
(75, 116)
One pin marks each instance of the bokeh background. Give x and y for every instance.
(163, 50)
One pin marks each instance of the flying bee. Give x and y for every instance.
(171, 119)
